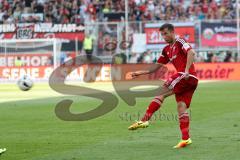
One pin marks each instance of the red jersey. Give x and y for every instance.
(177, 54)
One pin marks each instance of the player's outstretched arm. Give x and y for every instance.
(153, 68)
(190, 58)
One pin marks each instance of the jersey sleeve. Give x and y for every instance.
(184, 45)
(163, 58)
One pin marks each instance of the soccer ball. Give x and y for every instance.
(25, 83)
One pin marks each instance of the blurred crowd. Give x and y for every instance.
(202, 56)
(217, 56)
(81, 11)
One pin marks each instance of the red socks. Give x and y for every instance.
(183, 118)
(184, 125)
(153, 107)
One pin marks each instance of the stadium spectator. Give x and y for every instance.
(81, 11)
(49, 61)
(63, 57)
(134, 57)
(147, 57)
(211, 57)
(120, 58)
(18, 62)
(228, 57)
(88, 45)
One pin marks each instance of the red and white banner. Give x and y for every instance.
(66, 35)
(183, 30)
(45, 30)
(215, 34)
(154, 36)
(43, 27)
(32, 60)
(205, 71)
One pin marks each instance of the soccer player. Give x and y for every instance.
(182, 84)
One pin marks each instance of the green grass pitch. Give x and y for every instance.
(30, 130)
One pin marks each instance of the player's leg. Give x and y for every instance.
(183, 117)
(184, 121)
(184, 90)
(153, 107)
(156, 103)
(183, 103)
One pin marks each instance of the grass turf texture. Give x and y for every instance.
(30, 130)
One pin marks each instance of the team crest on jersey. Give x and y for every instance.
(186, 46)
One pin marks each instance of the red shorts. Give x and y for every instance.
(182, 88)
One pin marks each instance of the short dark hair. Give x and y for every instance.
(169, 26)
